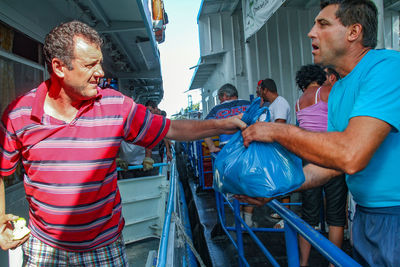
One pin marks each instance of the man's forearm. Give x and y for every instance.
(349, 151)
(320, 148)
(317, 176)
(188, 130)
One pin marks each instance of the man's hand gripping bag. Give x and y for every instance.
(261, 170)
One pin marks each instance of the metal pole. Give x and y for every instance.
(381, 24)
(332, 253)
(239, 237)
(292, 249)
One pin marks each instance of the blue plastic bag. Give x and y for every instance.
(261, 170)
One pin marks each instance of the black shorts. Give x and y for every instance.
(335, 194)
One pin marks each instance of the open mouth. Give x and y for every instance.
(315, 47)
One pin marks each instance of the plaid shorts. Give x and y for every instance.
(37, 253)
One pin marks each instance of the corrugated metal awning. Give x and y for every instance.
(204, 69)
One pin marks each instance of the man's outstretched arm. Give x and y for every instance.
(349, 151)
(315, 176)
(187, 130)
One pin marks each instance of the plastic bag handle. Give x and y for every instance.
(258, 114)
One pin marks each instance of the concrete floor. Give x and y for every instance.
(138, 251)
(219, 247)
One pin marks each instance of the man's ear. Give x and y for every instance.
(354, 32)
(58, 67)
(332, 79)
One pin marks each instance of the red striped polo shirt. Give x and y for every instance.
(71, 181)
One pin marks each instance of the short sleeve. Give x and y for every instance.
(379, 93)
(211, 114)
(9, 149)
(144, 128)
(282, 110)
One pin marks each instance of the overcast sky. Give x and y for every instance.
(179, 52)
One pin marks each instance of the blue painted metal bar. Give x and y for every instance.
(239, 237)
(253, 236)
(257, 229)
(192, 258)
(293, 224)
(200, 164)
(136, 167)
(286, 204)
(231, 238)
(292, 249)
(162, 253)
(318, 241)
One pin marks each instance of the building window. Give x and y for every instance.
(21, 69)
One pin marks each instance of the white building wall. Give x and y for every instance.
(276, 51)
(280, 48)
(219, 37)
(391, 30)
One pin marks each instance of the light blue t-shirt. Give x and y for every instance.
(372, 89)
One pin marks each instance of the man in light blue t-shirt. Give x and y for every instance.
(363, 123)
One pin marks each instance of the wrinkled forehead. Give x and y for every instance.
(83, 44)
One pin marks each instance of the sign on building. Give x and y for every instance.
(256, 14)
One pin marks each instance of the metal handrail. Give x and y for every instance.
(239, 221)
(136, 167)
(316, 239)
(162, 253)
(293, 225)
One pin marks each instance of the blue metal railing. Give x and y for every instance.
(293, 225)
(170, 209)
(162, 253)
(200, 162)
(197, 161)
(185, 217)
(317, 240)
(137, 167)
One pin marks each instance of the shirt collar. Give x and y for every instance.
(41, 92)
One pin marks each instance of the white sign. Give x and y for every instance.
(256, 14)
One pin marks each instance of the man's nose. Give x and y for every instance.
(98, 71)
(311, 33)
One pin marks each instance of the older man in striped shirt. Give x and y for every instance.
(67, 133)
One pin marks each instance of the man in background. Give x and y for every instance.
(279, 110)
(229, 106)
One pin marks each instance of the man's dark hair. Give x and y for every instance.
(308, 74)
(151, 103)
(331, 70)
(269, 84)
(363, 12)
(59, 42)
(227, 89)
